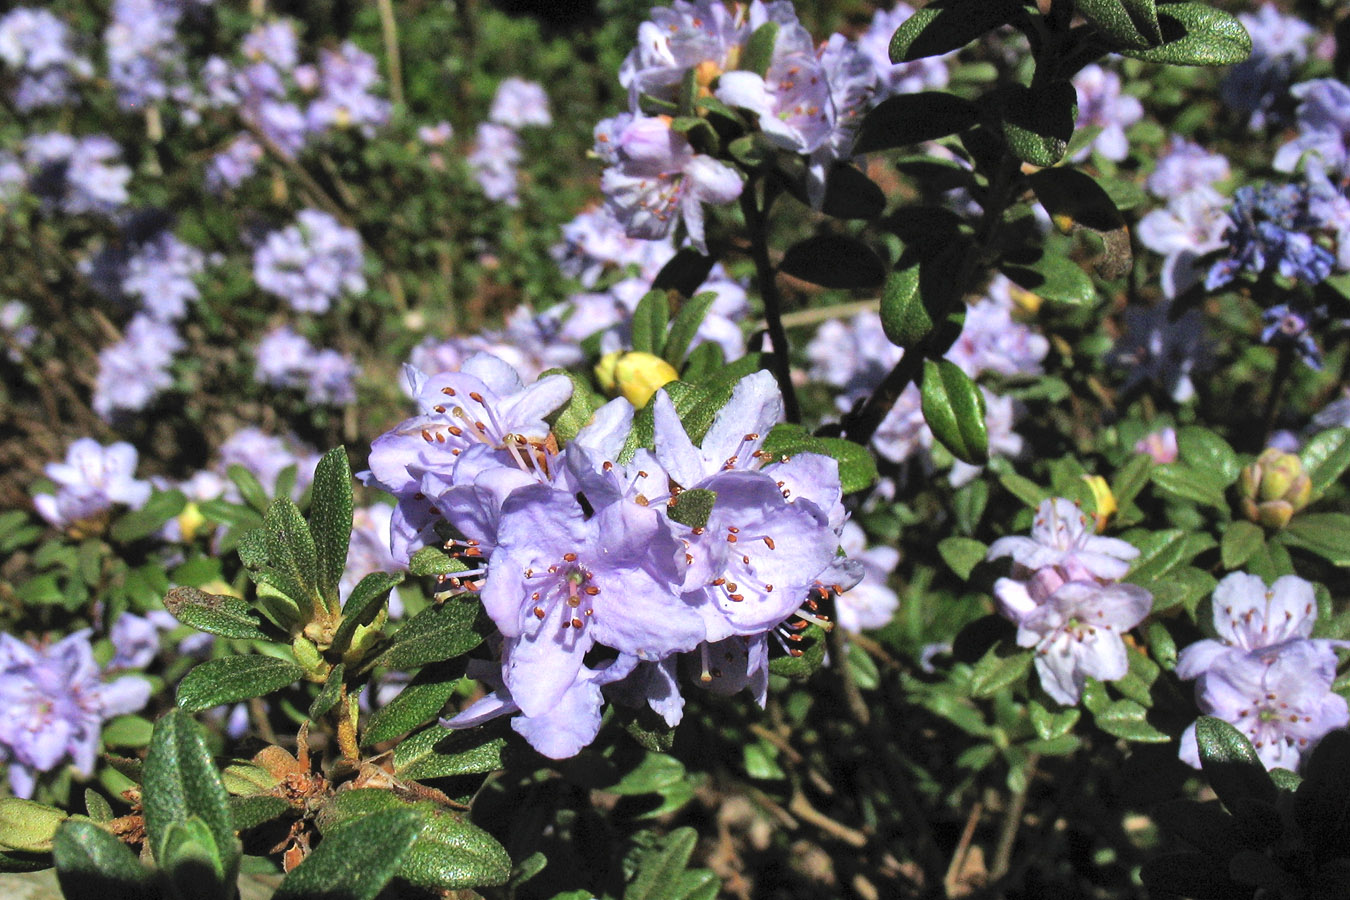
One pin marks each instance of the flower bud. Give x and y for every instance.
(1273, 488)
(1103, 498)
(189, 520)
(635, 375)
(309, 658)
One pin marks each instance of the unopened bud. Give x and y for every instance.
(190, 520)
(309, 658)
(635, 375)
(1273, 488)
(1103, 498)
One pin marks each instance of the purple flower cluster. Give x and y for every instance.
(519, 103)
(1323, 121)
(91, 481)
(146, 61)
(311, 263)
(1269, 228)
(287, 360)
(38, 47)
(55, 702)
(573, 550)
(78, 176)
(1065, 597)
(266, 457)
(161, 274)
(1265, 674)
(493, 159)
(135, 370)
(1192, 225)
(927, 74)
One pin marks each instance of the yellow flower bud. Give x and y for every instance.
(635, 375)
(189, 520)
(1273, 488)
(1103, 498)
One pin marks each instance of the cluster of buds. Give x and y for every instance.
(1273, 488)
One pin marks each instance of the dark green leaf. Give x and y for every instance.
(1077, 202)
(357, 861)
(182, 786)
(1024, 489)
(291, 550)
(660, 868)
(1326, 534)
(685, 325)
(999, 667)
(219, 614)
(439, 632)
(834, 261)
(1129, 720)
(91, 864)
(1240, 540)
(1231, 764)
(685, 271)
(250, 489)
(418, 703)
(434, 561)
(330, 521)
(1127, 23)
(849, 194)
(329, 694)
(857, 467)
(905, 317)
(962, 554)
(1187, 483)
(811, 648)
(946, 25)
(1325, 458)
(363, 605)
(1051, 725)
(649, 323)
(250, 812)
(758, 52)
(912, 119)
(1205, 450)
(1196, 875)
(692, 507)
(150, 518)
(442, 753)
(1055, 278)
(234, 678)
(953, 407)
(1038, 122)
(1196, 34)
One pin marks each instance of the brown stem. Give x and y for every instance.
(757, 223)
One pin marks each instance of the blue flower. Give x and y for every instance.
(1289, 327)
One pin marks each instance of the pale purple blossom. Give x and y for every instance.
(1077, 632)
(56, 702)
(287, 360)
(273, 42)
(493, 160)
(706, 36)
(92, 480)
(1101, 103)
(1255, 86)
(80, 176)
(38, 46)
(135, 639)
(1160, 445)
(17, 328)
(519, 103)
(655, 178)
(870, 603)
(437, 135)
(235, 164)
(311, 263)
(369, 552)
(1185, 166)
(135, 370)
(146, 58)
(595, 241)
(1323, 128)
(161, 273)
(1192, 225)
(346, 79)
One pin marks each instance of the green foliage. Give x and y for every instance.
(234, 678)
(954, 408)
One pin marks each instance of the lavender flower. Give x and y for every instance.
(519, 103)
(1101, 103)
(346, 78)
(135, 639)
(273, 42)
(1250, 617)
(234, 165)
(1323, 127)
(1279, 45)
(267, 457)
(161, 274)
(1287, 326)
(132, 372)
(1192, 225)
(1160, 445)
(311, 263)
(369, 552)
(287, 360)
(437, 135)
(496, 151)
(91, 481)
(79, 176)
(1077, 632)
(1268, 230)
(56, 703)
(17, 327)
(655, 179)
(929, 73)
(705, 36)
(145, 56)
(38, 46)
(595, 240)
(1185, 166)
(870, 604)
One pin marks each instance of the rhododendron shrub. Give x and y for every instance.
(674, 451)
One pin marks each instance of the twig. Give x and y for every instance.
(757, 223)
(800, 807)
(962, 848)
(389, 25)
(1012, 822)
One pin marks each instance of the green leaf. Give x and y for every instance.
(1204, 450)
(834, 261)
(329, 694)
(998, 668)
(330, 521)
(1240, 540)
(127, 731)
(758, 52)
(418, 703)
(661, 870)
(1196, 34)
(1055, 278)
(92, 864)
(250, 812)
(27, 826)
(441, 753)
(962, 554)
(654, 773)
(439, 632)
(649, 323)
(953, 407)
(234, 678)
(1038, 122)
(687, 270)
(434, 561)
(812, 649)
(182, 786)
(912, 119)
(857, 467)
(219, 614)
(1127, 23)
(1051, 725)
(692, 507)
(1129, 720)
(250, 489)
(291, 549)
(1234, 770)
(97, 806)
(1162, 645)
(1187, 483)
(357, 861)
(946, 25)
(363, 605)
(685, 325)
(1024, 489)
(1325, 458)
(1326, 534)
(150, 518)
(849, 194)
